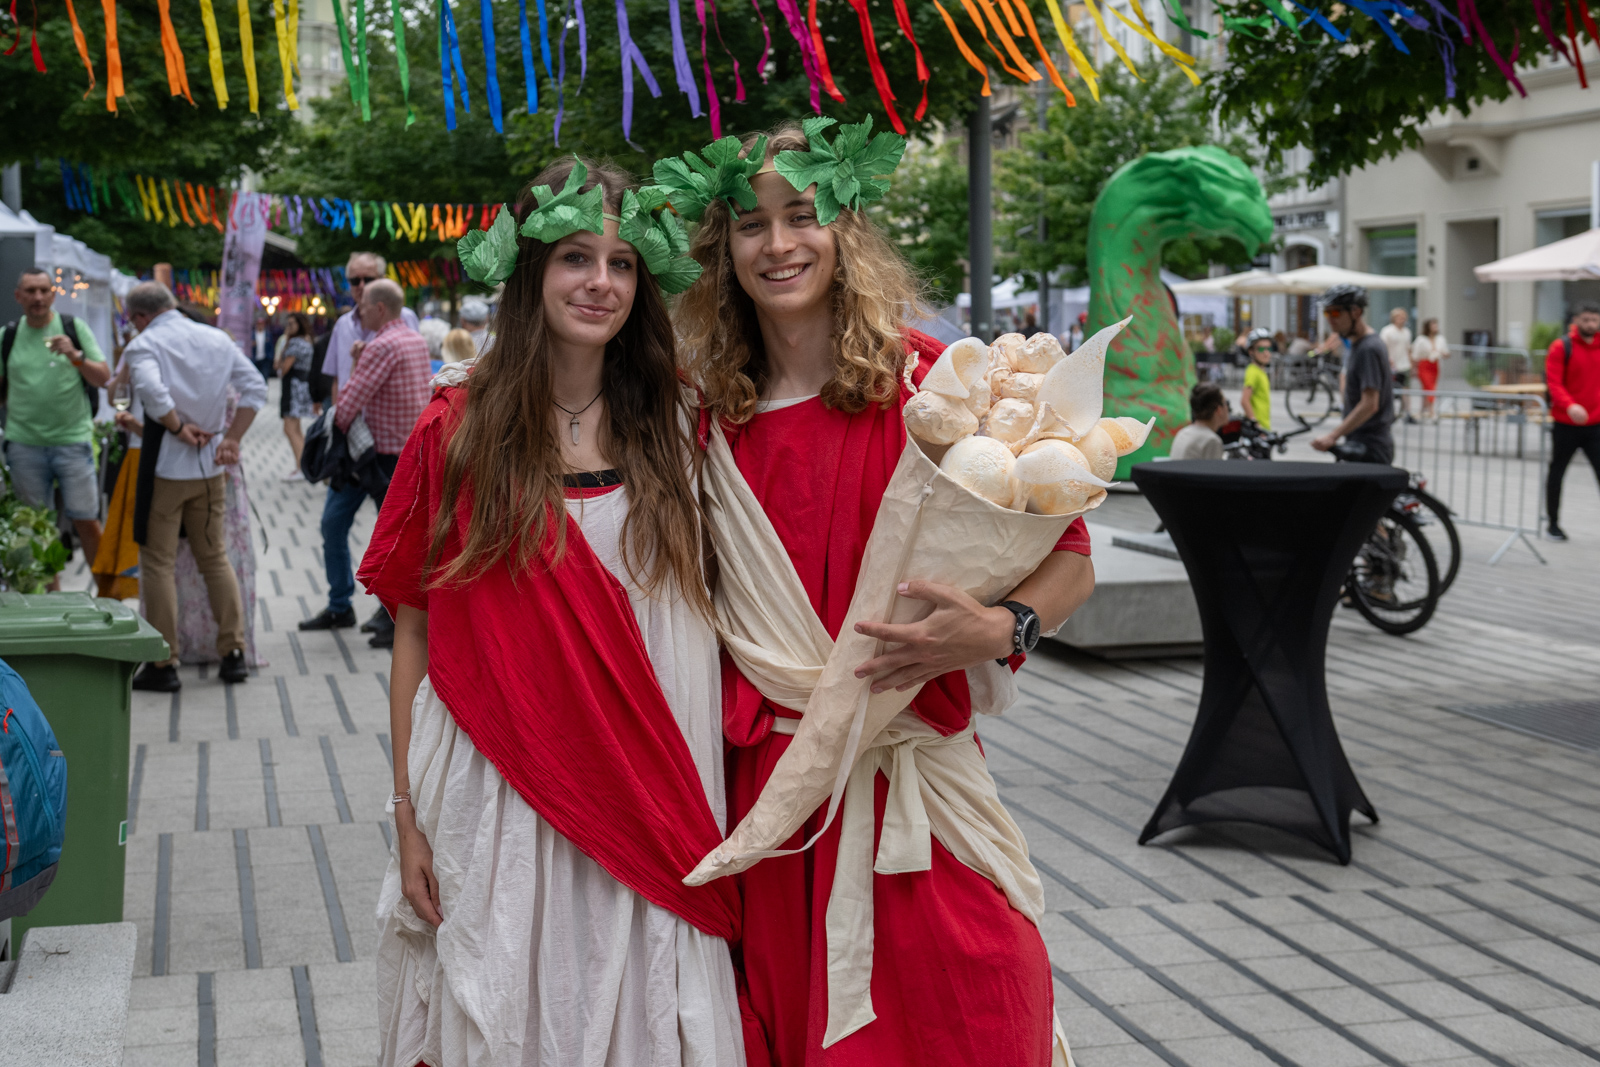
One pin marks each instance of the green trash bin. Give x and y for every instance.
(78, 653)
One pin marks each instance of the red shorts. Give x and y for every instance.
(1427, 374)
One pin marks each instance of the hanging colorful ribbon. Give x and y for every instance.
(450, 55)
(1106, 35)
(1022, 69)
(983, 31)
(966, 52)
(33, 39)
(172, 54)
(631, 58)
(561, 80)
(166, 193)
(285, 53)
(247, 47)
(397, 24)
(530, 76)
(1032, 29)
(681, 68)
(219, 82)
(716, 24)
(822, 52)
(903, 17)
(802, 37)
(363, 62)
(352, 73)
(766, 41)
(114, 88)
(880, 77)
(714, 103)
(491, 88)
(583, 44)
(1183, 59)
(83, 47)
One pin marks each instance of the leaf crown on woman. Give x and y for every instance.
(504, 457)
(875, 294)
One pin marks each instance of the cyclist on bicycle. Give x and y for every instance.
(1368, 382)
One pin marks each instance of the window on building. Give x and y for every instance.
(1553, 301)
(1391, 251)
(1301, 323)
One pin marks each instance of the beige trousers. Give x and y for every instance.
(196, 505)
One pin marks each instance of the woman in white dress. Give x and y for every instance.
(555, 695)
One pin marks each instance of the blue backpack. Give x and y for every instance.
(33, 798)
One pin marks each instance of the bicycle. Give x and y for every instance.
(1313, 392)
(1394, 580)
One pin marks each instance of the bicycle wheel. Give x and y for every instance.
(1394, 580)
(1310, 403)
(1433, 515)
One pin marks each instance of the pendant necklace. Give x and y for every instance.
(575, 414)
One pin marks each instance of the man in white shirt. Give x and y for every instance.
(181, 372)
(1396, 337)
(363, 267)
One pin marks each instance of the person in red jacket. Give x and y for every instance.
(1572, 371)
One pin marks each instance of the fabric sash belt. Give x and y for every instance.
(938, 786)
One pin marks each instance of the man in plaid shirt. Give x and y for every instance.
(389, 388)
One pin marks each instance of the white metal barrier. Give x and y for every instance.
(1484, 454)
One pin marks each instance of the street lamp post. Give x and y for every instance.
(1042, 91)
(980, 221)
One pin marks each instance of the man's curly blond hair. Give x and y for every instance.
(875, 296)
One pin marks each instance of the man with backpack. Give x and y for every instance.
(1572, 374)
(53, 371)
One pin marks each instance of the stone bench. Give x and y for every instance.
(1142, 604)
(64, 1002)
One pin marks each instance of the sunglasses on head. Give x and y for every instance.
(358, 280)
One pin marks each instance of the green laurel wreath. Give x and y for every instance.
(489, 256)
(717, 172)
(848, 173)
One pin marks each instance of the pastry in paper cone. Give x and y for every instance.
(1075, 387)
(981, 398)
(1038, 354)
(1056, 478)
(1128, 434)
(938, 419)
(1016, 385)
(1101, 452)
(983, 465)
(1006, 347)
(953, 373)
(1008, 420)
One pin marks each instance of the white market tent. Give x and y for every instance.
(1065, 304)
(82, 275)
(1305, 281)
(1574, 259)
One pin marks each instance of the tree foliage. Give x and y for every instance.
(925, 214)
(1358, 102)
(1066, 164)
(46, 117)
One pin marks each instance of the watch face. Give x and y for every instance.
(1030, 632)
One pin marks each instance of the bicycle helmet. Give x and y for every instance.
(1344, 296)
(1259, 334)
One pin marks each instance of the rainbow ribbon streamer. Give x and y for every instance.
(530, 76)
(631, 58)
(681, 68)
(450, 52)
(491, 89)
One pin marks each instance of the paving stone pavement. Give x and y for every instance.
(1465, 932)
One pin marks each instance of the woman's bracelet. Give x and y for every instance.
(402, 797)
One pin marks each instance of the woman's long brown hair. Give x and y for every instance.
(506, 456)
(875, 295)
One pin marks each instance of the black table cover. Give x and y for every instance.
(1267, 546)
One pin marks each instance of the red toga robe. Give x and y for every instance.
(959, 976)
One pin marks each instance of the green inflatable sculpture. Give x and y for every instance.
(1156, 199)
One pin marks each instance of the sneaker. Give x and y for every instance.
(327, 619)
(379, 622)
(382, 639)
(232, 670)
(1554, 533)
(153, 678)
(295, 475)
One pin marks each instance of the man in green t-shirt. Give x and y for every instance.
(49, 423)
(1257, 396)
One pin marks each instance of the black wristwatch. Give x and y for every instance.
(1027, 632)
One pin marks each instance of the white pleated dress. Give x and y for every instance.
(544, 959)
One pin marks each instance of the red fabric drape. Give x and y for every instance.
(959, 977)
(547, 673)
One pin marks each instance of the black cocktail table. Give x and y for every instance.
(1267, 545)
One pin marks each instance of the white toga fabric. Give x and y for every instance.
(544, 959)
